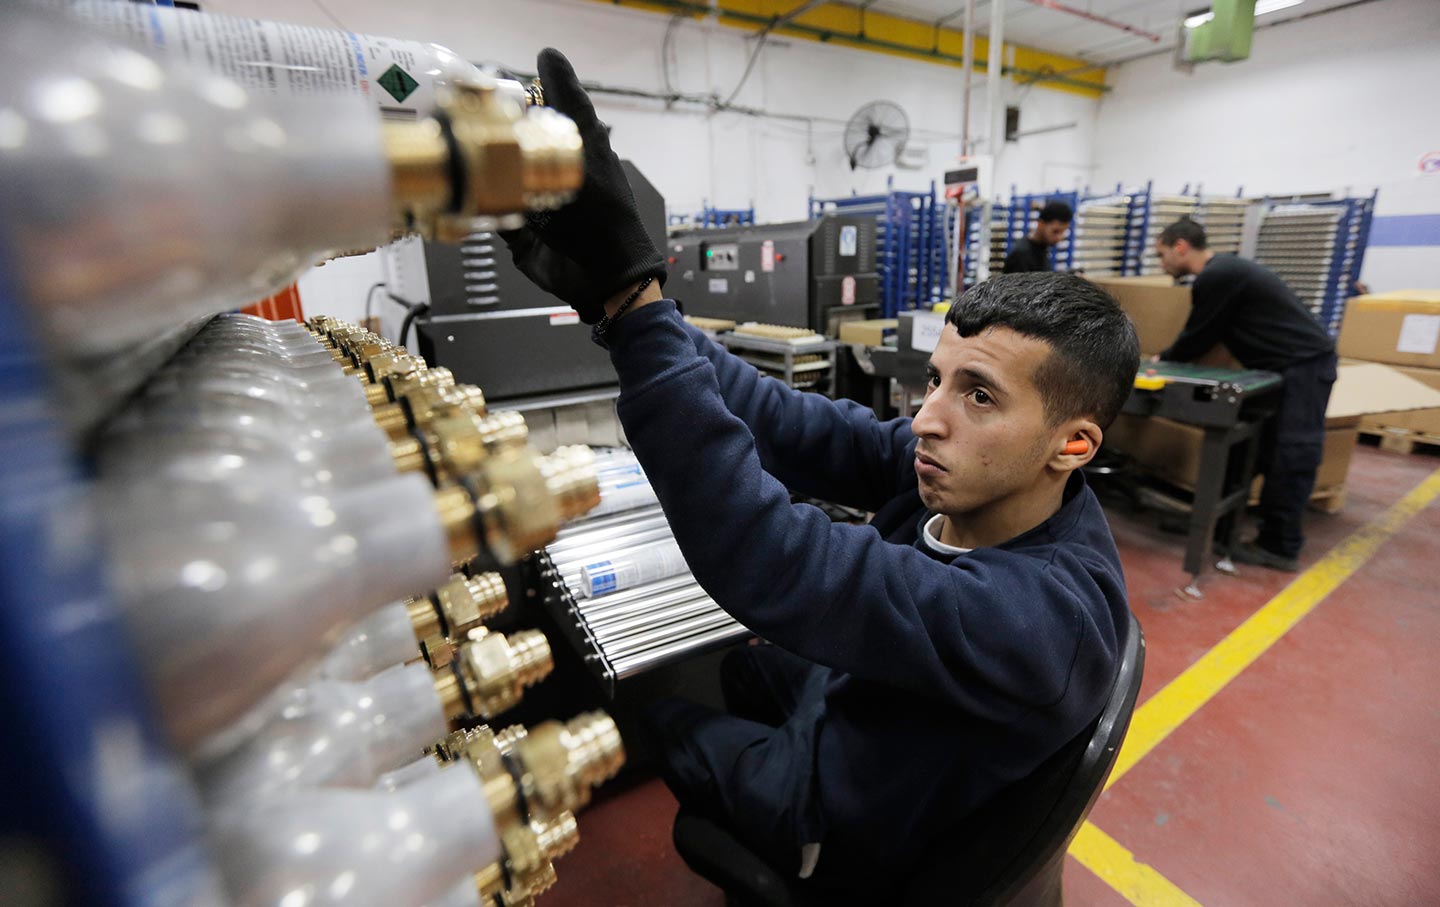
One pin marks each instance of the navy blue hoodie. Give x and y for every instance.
(950, 676)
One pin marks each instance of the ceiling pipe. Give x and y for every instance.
(696, 8)
(1098, 20)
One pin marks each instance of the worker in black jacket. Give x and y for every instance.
(1032, 253)
(1264, 325)
(920, 663)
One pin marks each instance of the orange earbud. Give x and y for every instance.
(1080, 446)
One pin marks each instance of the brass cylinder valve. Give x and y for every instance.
(480, 155)
(571, 478)
(457, 441)
(559, 764)
(554, 764)
(530, 855)
(442, 619)
(490, 672)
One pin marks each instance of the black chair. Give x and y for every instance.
(1009, 852)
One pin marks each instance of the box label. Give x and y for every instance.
(925, 331)
(1419, 334)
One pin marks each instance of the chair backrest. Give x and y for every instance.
(1025, 829)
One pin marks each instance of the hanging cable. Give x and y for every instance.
(416, 310)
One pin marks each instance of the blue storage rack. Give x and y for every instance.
(910, 240)
(1137, 230)
(725, 217)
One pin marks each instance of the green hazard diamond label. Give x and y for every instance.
(398, 82)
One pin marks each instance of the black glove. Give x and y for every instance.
(596, 246)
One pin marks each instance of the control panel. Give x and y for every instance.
(721, 257)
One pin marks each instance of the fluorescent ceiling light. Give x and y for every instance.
(1261, 8)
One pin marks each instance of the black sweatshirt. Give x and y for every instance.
(951, 676)
(1249, 309)
(1027, 255)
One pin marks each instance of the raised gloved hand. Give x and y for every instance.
(596, 246)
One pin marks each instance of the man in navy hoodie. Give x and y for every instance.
(922, 662)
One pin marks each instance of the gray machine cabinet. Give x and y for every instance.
(491, 326)
(811, 274)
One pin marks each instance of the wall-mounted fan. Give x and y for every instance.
(876, 134)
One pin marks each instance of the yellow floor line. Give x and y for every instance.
(1138, 882)
(1162, 713)
(1182, 697)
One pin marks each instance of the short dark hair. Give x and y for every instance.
(1056, 210)
(1186, 229)
(1096, 354)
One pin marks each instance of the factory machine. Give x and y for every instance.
(813, 274)
(486, 319)
(251, 571)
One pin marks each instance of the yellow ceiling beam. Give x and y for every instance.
(849, 26)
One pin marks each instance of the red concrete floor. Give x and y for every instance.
(1312, 779)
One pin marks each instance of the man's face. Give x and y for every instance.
(1172, 257)
(1053, 231)
(983, 433)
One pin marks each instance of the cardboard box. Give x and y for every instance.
(1158, 309)
(869, 333)
(1399, 328)
(1156, 305)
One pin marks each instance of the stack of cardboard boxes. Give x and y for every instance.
(1171, 450)
(1402, 330)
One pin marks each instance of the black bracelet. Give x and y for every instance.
(604, 324)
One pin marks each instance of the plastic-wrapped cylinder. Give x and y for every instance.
(423, 767)
(226, 461)
(223, 601)
(358, 848)
(465, 894)
(624, 493)
(632, 568)
(126, 216)
(379, 642)
(331, 734)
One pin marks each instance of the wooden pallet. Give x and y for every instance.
(1399, 440)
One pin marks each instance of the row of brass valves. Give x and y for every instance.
(497, 494)
(534, 781)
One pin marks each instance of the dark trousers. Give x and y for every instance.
(1290, 453)
(750, 768)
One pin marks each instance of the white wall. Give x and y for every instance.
(1339, 102)
(692, 155)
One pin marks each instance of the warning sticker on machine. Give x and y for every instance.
(398, 82)
(719, 285)
(560, 318)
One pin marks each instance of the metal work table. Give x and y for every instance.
(1231, 406)
(777, 358)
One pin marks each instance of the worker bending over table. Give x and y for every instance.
(922, 662)
(1250, 310)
